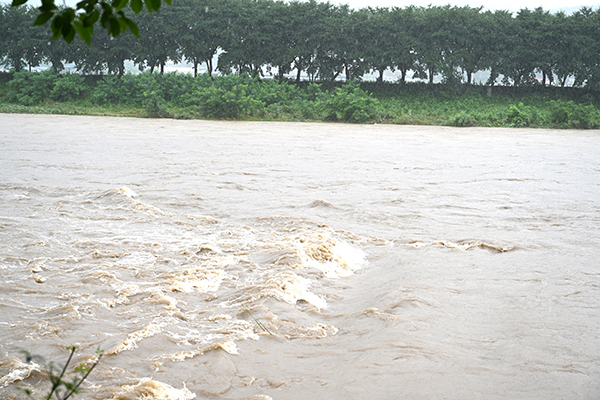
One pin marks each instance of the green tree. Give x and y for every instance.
(280, 37)
(531, 51)
(56, 53)
(373, 32)
(566, 47)
(348, 45)
(22, 42)
(587, 45)
(402, 30)
(435, 44)
(67, 21)
(306, 17)
(246, 42)
(202, 25)
(157, 43)
(330, 59)
(500, 50)
(474, 38)
(105, 53)
(528, 51)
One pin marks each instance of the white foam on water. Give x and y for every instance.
(149, 389)
(125, 191)
(334, 257)
(133, 338)
(462, 245)
(137, 259)
(18, 372)
(196, 279)
(297, 289)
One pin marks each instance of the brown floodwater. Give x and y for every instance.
(257, 260)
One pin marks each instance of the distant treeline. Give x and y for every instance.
(324, 42)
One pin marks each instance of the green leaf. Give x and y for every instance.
(149, 5)
(56, 27)
(83, 32)
(91, 19)
(106, 7)
(85, 4)
(137, 5)
(119, 4)
(133, 27)
(115, 27)
(68, 32)
(122, 23)
(17, 3)
(156, 4)
(104, 21)
(47, 6)
(43, 18)
(72, 13)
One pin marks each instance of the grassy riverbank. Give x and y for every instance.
(244, 98)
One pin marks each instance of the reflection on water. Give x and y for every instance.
(229, 260)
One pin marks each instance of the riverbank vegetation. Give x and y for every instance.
(307, 61)
(242, 97)
(319, 41)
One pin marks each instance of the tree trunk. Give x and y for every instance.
(195, 68)
(380, 78)
(299, 67)
(550, 77)
(430, 76)
(469, 77)
(544, 78)
(209, 65)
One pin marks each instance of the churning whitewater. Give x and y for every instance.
(250, 260)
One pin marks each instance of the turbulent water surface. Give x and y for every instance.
(227, 260)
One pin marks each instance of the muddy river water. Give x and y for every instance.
(251, 260)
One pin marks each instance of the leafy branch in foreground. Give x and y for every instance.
(63, 386)
(81, 19)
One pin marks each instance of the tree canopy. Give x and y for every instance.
(66, 21)
(314, 40)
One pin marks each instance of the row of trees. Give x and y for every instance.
(325, 41)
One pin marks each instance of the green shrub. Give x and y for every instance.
(173, 86)
(463, 120)
(227, 97)
(68, 88)
(519, 115)
(220, 102)
(568, 114)
(349, 104)
(155, 106)
(29, 89)
(112, 89)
